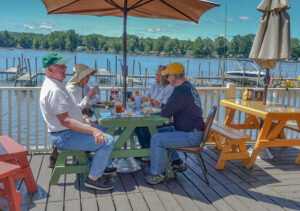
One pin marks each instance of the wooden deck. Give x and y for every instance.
(270, 185)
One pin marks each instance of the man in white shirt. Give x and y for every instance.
(65, 122)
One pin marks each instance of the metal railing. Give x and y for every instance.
(21, 118)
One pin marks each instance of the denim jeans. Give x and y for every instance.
(69, 139)
(166, 138)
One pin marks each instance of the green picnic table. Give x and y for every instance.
(124, 126)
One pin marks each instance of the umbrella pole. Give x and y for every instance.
(267, 81)
(125, 68)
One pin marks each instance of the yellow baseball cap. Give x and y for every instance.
(174, 68)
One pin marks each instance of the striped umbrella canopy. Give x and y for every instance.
(272, 41)
(187, 10)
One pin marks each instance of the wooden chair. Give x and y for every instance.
(8, 191)
(197, 150)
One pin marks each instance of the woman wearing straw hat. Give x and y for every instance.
(82, 94)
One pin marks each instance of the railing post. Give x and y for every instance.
(230, 92)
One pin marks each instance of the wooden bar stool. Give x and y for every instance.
(13, 197)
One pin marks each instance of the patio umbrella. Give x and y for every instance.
(272, 41)
(187, 10)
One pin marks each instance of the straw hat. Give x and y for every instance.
(81, 71)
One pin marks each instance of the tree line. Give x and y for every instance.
(238, 47)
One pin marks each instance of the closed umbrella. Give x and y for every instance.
(272, 41)
(187, 10)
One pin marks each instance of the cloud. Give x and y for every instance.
(46, 27)
(245, 18)
(208, 21)
(29, 27)
(228, 20)
(159, 29)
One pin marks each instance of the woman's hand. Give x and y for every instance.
(99, 136)
(92, 92)
(155, 103)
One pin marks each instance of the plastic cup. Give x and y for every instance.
(118, 108)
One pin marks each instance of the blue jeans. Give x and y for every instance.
(69, 139)
(168, 137)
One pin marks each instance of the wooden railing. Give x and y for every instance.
(21, 118)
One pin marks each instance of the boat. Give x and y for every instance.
(245, 69)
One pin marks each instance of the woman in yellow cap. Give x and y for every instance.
(81, 93)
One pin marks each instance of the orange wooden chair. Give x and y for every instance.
(8, 191)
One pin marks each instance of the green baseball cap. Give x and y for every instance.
(53, 58)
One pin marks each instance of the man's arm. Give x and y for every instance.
(77, 126)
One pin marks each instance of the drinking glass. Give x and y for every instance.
(130, 106)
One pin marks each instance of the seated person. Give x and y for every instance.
(184, 106)
(65, 124)
(159, 92)
(81, 93)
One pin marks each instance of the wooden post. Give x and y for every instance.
(75, 60)
(230, 92)
(25, 64)
(29, 69)
(296, 67)
(199, 69)
(133, 67)
(209, 69)
(140, 69)
(219, 65)
(116, 69)
(14, 61)
(258, 77)
(187, 67)
(36, 69)
(202, 78)
(6, 63)
(107, 64)
(146, 76)
(21, 61)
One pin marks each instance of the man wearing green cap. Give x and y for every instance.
(184, 106)
(65, 122)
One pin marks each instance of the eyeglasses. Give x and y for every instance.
(168, 75)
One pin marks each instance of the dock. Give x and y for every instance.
(270, 185)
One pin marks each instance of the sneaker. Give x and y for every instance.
(110, 171)
(178, 166)
(100, 184)
(154, 179)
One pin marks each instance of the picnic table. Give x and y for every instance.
(14, 153)
(270, 119)
(124, 126)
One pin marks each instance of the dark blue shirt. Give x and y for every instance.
(184, 105)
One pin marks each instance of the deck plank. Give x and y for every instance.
(105, 203)
(269, 185)
(121, 202)
(89, 204)
(137, 202)
(43, 179)
(73, 205)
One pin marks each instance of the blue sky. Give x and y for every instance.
(242, 18)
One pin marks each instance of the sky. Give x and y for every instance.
(242, 18)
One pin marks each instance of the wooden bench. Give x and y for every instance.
(79, 164)
(234, 147)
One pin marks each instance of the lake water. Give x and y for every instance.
(149, 62)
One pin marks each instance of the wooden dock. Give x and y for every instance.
(270, 185)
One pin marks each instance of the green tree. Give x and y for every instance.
(158, 44)
(91, 41)
(295, 47)
(71, 40)
(208, 47)
(198, 47)
(221, 46)
(56, 40)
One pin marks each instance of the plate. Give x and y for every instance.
(155, 110)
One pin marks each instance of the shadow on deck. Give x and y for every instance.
(270, 185)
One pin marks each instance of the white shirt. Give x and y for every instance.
(160, 93)
(78, 95)
(54, 100)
